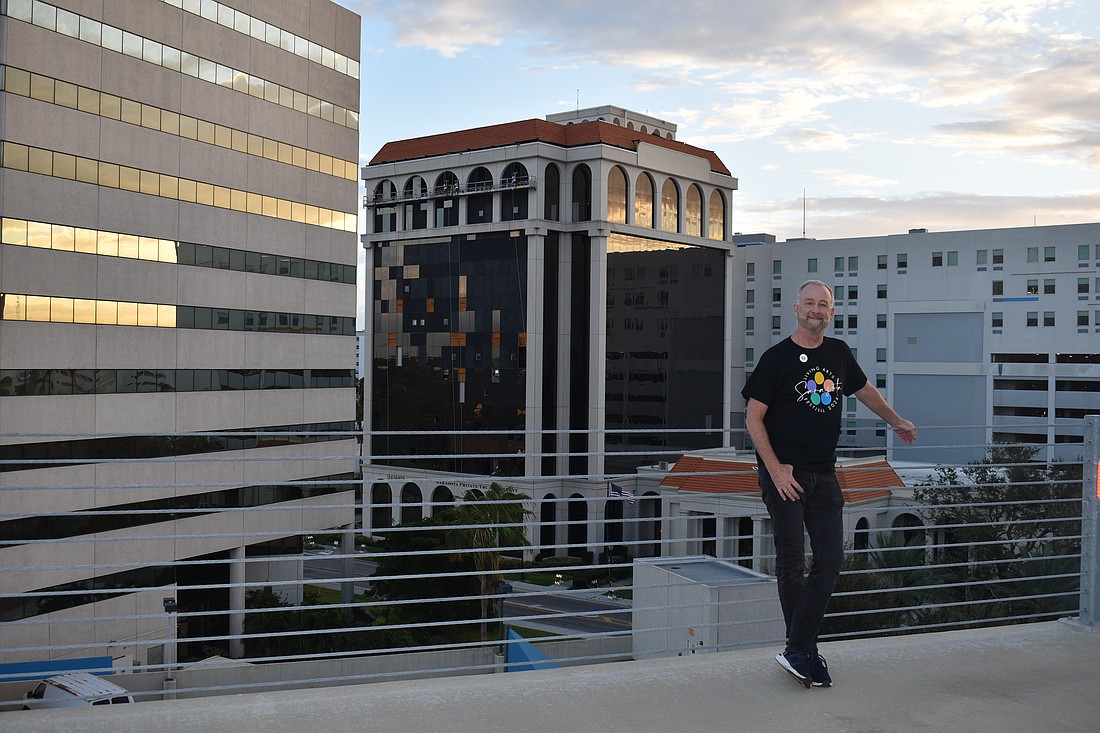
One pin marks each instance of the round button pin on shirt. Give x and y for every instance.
(803, 358)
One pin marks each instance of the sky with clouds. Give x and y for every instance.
(878, 115)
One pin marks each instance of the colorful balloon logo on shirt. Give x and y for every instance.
(820, 389)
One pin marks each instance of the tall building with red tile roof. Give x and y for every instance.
(544, 298)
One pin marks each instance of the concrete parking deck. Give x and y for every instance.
(1036, 677)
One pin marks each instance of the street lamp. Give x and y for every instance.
(503, 588)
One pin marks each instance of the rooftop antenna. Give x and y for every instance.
(578, 99)
(803, 213)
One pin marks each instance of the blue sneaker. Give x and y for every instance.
(797, 665)
(819, 671)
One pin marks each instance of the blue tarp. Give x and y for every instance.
(522, 655)
(22, 671)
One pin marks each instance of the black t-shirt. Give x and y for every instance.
(804, 390)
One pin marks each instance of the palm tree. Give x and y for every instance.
(488, 521)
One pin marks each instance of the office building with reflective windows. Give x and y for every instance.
(547, 300)
(177, 287)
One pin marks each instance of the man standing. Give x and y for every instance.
(795, 400)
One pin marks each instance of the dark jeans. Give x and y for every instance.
(820, 511)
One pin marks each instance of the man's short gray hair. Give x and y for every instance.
(808, 283)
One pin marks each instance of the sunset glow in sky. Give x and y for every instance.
(945, 114)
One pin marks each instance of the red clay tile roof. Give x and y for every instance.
(861, 482)
(524, 131)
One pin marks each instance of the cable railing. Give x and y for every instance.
(294, 561)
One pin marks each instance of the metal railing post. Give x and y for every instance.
(1090, 524)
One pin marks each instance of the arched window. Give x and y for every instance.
(442, 498)
(616, 195)
(863, 534)
(479, 204)
(515, 192)
(643, 201)
(578, 525)
(416, 204)
(912, 529)
(582, 194)
(670, 206)
(385, 214)
(693, 211)
(552, 195)
(716, 216)
(548, 525)
(381, 509)
(446, 200)
(412, 507)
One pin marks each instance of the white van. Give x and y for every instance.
(76, 689)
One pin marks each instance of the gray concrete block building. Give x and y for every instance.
(177, 281)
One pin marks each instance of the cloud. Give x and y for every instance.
(855, 216)
(781, 66)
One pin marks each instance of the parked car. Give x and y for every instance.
(76, 689)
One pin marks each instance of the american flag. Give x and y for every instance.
(618, 492)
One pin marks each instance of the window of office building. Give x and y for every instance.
(1082, 252)
(515, 193)
(880, 355)
(953, 259)
(750, 323)
(1032, 319)
(1049, 254)
(1048, 318)
(479, 204)
(853, 320)
(1033, 286)
(998, 319)
(882, 262)
(616, 195)
(643, 201)
(693, 211)
(1048, 286)
(385, 215)
(750, 270)
(811, 265)
(838, 264)
(750, 355)
(937, 259)
(716, 216)
(880, 381)
(416, 206)
(670, 206)
(777, 323)
(853, 264)
(998, 287)
(1032, 254)
(551, 201)
(581, 202)
(838, 322)
(1082, 286)
(880, 320)
(446, 200)
(750, 296)
(1082, 318)
(903, 260)
(838, 293)
(777, 267)
(982, 257)
(998, 257)
(777, 295)
(880, 291)
(643, 375)
(853, 292)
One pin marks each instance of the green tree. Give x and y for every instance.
(488, 521)
(1010, 529)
